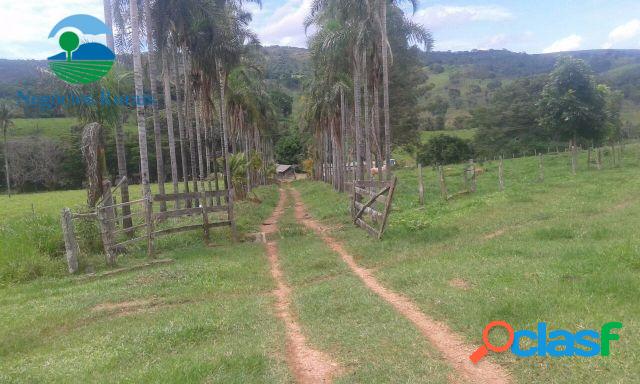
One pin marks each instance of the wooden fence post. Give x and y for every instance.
(70, 242)
(232, 220)
(589, 158)
(148, 220)
(443, 184)
(620, 152)
(501, 173)
(205, 217)
(465, 176)
(420, 184)
(106, 218)
(541, 167)
(387, 207)
(599, 160)
(472, 169)
(574, 158)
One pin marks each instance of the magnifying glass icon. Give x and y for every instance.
(481, 352)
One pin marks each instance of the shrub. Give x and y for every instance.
(30, 247)
(444, 149)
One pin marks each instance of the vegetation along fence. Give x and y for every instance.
(124, 224)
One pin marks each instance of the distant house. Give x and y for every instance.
(285, 172)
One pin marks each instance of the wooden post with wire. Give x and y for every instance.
(420, 184)
(501, 173)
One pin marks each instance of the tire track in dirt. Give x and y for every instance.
(451, 345)
(307, 364)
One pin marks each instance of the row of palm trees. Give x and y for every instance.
(352, 51)
(205, 51)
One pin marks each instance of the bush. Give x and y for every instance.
(31, 247)
(444, 149)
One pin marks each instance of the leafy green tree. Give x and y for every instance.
(289, 150)
(572, 106)
(509, 124)
(444, 149)
(613, 123)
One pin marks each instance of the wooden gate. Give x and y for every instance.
(372, 204)
(145, 224)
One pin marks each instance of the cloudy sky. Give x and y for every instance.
(532, 26)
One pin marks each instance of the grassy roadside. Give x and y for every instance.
(31, 244)
(564, 251)
(371, 342)
(206, 318)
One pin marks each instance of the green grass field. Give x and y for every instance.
(565, 251)
(54, 128)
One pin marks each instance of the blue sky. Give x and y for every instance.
(532, 26)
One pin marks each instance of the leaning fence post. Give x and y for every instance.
(472, 169)
(599, 160)
(443, 183)
(501, 173)
(420, 184)
(70, 243)
(148, 220)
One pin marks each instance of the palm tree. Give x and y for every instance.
(110, 114)
(108, 20)
(181, 127)
(153, 83)
(169, 112)
(5, 123)
(137, 76)
(417, 34)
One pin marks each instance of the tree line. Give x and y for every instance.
(347, 102)
(567, 108)
(214, 113)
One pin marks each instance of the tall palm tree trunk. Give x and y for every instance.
(367, 116)
(343, 136)
(357, 93)
(376, 123)
(385, 88)
(153, 83)
(168, 103)
(108, 20)
(198, 115)
(122, 172)
(222, 79)
(137, 76)
(188, 98)
(181, 129)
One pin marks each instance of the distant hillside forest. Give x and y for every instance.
(494, 93)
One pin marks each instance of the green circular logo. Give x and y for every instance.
(81, 63)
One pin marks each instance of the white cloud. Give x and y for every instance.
(623, 33)
(26, 25)
(284, 26)
(446, 15)
(569, 43)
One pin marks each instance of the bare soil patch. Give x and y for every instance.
(307, 364)
(125, 308)
(460, 284)
(495, 234)
(451, 345)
